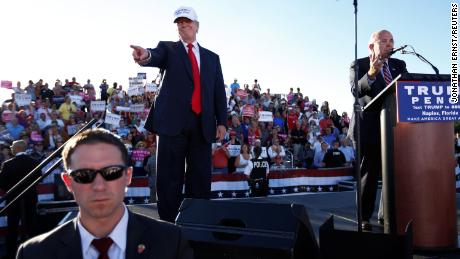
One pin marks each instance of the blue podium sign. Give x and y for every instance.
(423, 101)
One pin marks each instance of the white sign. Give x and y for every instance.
(97, 106)
(22, 99)
(265, 116)
(122, 109)
(136, 82)
(113, 119)
(132, 91)
(234, 150)
(136, 107)
(140, 90)
(78, 99)
(151, 88)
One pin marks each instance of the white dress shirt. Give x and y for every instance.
(118, 235)
(196, 51)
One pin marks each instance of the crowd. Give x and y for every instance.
(302, 134)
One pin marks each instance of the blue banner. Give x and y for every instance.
(423, 101)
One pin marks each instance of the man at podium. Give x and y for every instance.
(375, 72)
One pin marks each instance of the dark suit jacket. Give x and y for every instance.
(14, 170)
(161, 240)
(370, 126)
(175, 97)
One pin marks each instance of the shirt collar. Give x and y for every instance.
(118, 234)
(195, 44)
(20, 153)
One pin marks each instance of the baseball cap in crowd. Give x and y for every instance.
(186, 12)
(232, 133)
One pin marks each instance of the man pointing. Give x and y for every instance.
(188, 114)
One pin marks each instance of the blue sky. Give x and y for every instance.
(307, 44)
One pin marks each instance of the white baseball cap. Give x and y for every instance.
(187, 12)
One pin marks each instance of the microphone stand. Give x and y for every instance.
(357, 113)
(34, 173)
(422, 58)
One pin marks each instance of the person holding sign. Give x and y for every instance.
(374, 74)
(190, 104)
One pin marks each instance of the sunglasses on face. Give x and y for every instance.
(85, 175)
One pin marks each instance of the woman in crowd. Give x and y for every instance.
(138, 155)
(276, 151)
(242, 160)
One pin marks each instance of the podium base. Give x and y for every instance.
(443, 252)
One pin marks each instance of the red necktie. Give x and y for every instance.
(102, 245)
(386, 74)
(196, 96)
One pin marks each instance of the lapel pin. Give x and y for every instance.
(140, 248)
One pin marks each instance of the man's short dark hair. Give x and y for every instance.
(257, 151)
(93, 136)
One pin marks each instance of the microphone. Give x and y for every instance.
(396, 50)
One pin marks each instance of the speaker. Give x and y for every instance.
(336, 243)
(239, 229)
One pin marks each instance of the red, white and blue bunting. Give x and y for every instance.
(281, 182)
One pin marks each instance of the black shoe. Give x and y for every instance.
(366, 226)
(380, 221)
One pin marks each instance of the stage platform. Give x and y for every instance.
(320, 206)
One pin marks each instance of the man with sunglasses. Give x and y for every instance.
(374, 74)
(97, 175)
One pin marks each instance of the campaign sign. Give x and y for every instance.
(97, 106)
(151, 87)
(265, 116)
(241, 93)
(35, 136)
(234, 150)
(7, 84)
(22, 99)
(136, 107)
(248, 111)
(113, 119)
(122, 109)
(422, 101)
(78, 99)
(136, 82)
(132, 91)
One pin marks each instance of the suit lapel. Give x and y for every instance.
(71, 242)
(137, 241)
(204, 64)
(184, 57)
(393, 68)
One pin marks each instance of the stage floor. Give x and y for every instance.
(320, 206)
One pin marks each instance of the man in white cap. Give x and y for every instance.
(190, 105)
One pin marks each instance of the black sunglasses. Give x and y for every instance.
(85, 175)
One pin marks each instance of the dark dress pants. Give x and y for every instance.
(25, 211)
(185, 158)
(371, 171)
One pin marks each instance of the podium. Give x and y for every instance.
(418, 162)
